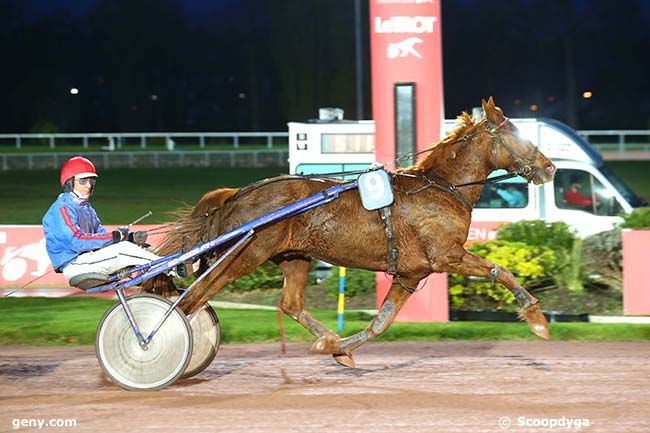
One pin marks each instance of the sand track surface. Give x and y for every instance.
(397, 387)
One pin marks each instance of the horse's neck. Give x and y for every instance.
(468, 165)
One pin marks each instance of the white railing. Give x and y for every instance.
(623, 140)
(106, 160)
(115, 140)
(599, 139)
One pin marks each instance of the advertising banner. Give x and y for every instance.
(407, 106)
(636, 284)
(406, 47)
(23, 257)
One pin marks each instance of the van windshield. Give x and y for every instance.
(625, 190)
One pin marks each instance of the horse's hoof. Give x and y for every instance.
(541, 331)
(344, 359)
(536, 320)
(327, 344)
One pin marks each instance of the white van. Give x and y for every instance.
(585, 193)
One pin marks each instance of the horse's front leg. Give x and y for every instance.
(399, 292)
(295, 272)
(472, 265)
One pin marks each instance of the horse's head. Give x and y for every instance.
(513, 153)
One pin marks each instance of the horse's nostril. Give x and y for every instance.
(550, 168)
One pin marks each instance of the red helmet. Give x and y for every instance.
(77, 166)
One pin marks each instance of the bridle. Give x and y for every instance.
(522, 164)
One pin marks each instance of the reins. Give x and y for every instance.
(490, 180)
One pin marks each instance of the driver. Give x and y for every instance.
(76, 241)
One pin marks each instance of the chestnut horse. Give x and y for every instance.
(430, 219)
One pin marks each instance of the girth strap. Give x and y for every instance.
(385, 214)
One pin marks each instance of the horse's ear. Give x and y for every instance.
(487, 105)
(484, 104)
(491, 112)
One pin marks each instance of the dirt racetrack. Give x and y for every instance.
(397, 387)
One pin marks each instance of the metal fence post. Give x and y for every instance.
(235, 141)
(269, 141)
(18, 143)
(51, 141)
(621, 142)
(85, 142)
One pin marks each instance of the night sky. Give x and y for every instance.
(238, 65)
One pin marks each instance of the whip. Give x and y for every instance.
(148, 214)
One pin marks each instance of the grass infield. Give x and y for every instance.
(122, 195)
(73, 321)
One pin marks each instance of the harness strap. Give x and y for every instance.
(440, 183)
(385, 215)
(408, 289)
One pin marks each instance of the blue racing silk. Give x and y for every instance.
(71, 227)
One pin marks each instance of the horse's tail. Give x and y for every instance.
(196, 224)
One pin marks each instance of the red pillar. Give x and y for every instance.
(406, 49)
(636, 284)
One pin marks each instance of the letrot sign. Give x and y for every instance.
(407, 106)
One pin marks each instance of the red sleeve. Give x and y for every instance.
(576, 198)
(78, 239)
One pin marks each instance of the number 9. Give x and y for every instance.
(374, 185)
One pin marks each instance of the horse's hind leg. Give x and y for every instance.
(397, 296)
(295, 270)
(472, 265)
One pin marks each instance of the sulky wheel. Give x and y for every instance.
(129, 365)
(206, 336)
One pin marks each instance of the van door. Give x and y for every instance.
(583, 198)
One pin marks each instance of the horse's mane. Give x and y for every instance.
(439, 152)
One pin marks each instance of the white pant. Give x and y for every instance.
(109, 259)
